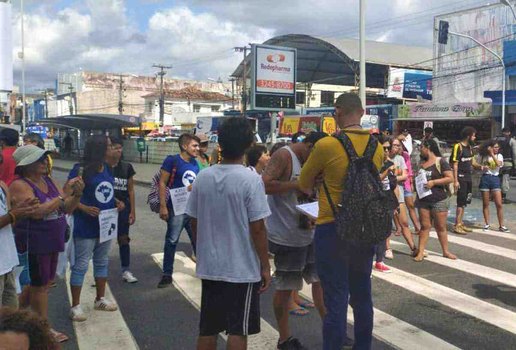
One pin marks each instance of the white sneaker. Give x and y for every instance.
(77, 314)
(388, 254)
(129, 277)
(104, 304)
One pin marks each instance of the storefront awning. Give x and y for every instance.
(92, 121)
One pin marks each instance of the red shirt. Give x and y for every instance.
(8, 165)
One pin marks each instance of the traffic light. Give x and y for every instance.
(443, 32)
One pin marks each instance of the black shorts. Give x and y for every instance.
(464, 193)
(230, 307)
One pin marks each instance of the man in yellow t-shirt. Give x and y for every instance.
(344, 269)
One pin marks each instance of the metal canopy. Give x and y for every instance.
(92, 121)
(335, 61)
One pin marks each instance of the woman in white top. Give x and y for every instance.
(491, 161)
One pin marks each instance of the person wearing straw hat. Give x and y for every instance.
(42, 234)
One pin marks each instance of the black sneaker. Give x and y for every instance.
(165, 282)
(348, 343)
(291, 344)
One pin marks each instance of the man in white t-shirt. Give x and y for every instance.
(228, 206)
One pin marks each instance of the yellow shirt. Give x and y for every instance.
(329, 158)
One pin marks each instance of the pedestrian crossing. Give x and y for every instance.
(392, 326)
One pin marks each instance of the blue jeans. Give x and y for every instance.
(345, 271)
(175, 226)
(85, 249)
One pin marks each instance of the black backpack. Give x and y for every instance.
(365, 213)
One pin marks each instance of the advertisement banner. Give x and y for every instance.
(6, 48)
(463, 70)
(329, 125)
(273, 85)
(289, 125)
(430, 111)
(309, 124)
(409, 83)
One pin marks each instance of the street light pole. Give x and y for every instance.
(24, 122)
(503, 66)
(362, 53)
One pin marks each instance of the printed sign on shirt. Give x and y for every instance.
(179, 198)
(108, 224)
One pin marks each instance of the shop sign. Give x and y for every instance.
(431, 111)
(273, 85)
(409, 83)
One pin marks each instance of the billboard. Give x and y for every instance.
(463, 70)
(273, 86)
(409, 83)
(6, 48)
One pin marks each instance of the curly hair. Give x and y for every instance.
(29, 323)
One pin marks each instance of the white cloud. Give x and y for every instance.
(197, 36)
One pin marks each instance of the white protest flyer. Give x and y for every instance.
(309, 209)
(179, 198)
(108, 224)
(421, 181)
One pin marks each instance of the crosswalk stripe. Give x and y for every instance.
(102, 330)
(451, 298)
(463, 265)
(484, 247)
(393, 331)
(510, 236)
(190, 286)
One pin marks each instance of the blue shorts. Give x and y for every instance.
(407, 193)
(489, 183)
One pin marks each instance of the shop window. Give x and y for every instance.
(300, 97)
(327, 98)
(215, 108)
(196, 108)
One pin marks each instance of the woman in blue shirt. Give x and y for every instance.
(98, 195)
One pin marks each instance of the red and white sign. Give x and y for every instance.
(275, 70)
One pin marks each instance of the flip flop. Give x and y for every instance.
(58, 336)
(306, 305)
(299, 312)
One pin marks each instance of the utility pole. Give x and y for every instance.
(362, 54)
(232, 80)
(22, 56)
(244, 74)
(120, 94)
(161, 73)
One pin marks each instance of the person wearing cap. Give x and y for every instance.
(203, 160)
(42, 234)
(9, 139)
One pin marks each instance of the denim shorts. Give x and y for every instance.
(489, 183)
(436, 207)
(407, 193)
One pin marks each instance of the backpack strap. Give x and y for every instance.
(438, 165)
(348, 145)
(370, 150)
(172, 173)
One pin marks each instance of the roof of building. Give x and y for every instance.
(336, 61)
(92, 121)
(193, 94)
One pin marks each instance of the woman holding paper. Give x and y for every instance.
(491, 161)
(433, 202)
(97, 202)
(42, 235)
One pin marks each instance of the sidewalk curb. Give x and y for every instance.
(137, 182)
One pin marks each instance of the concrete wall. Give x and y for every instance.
(158, 151)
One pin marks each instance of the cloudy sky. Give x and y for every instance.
(197, 37)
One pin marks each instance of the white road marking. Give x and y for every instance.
(463, 265)
(190, 286)
(393, 331)
(481, 246)
(494, 233)
(451, 298)
(102, 330)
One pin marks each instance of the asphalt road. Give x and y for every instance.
(166, 319)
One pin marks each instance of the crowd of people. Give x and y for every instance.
(241, 212)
